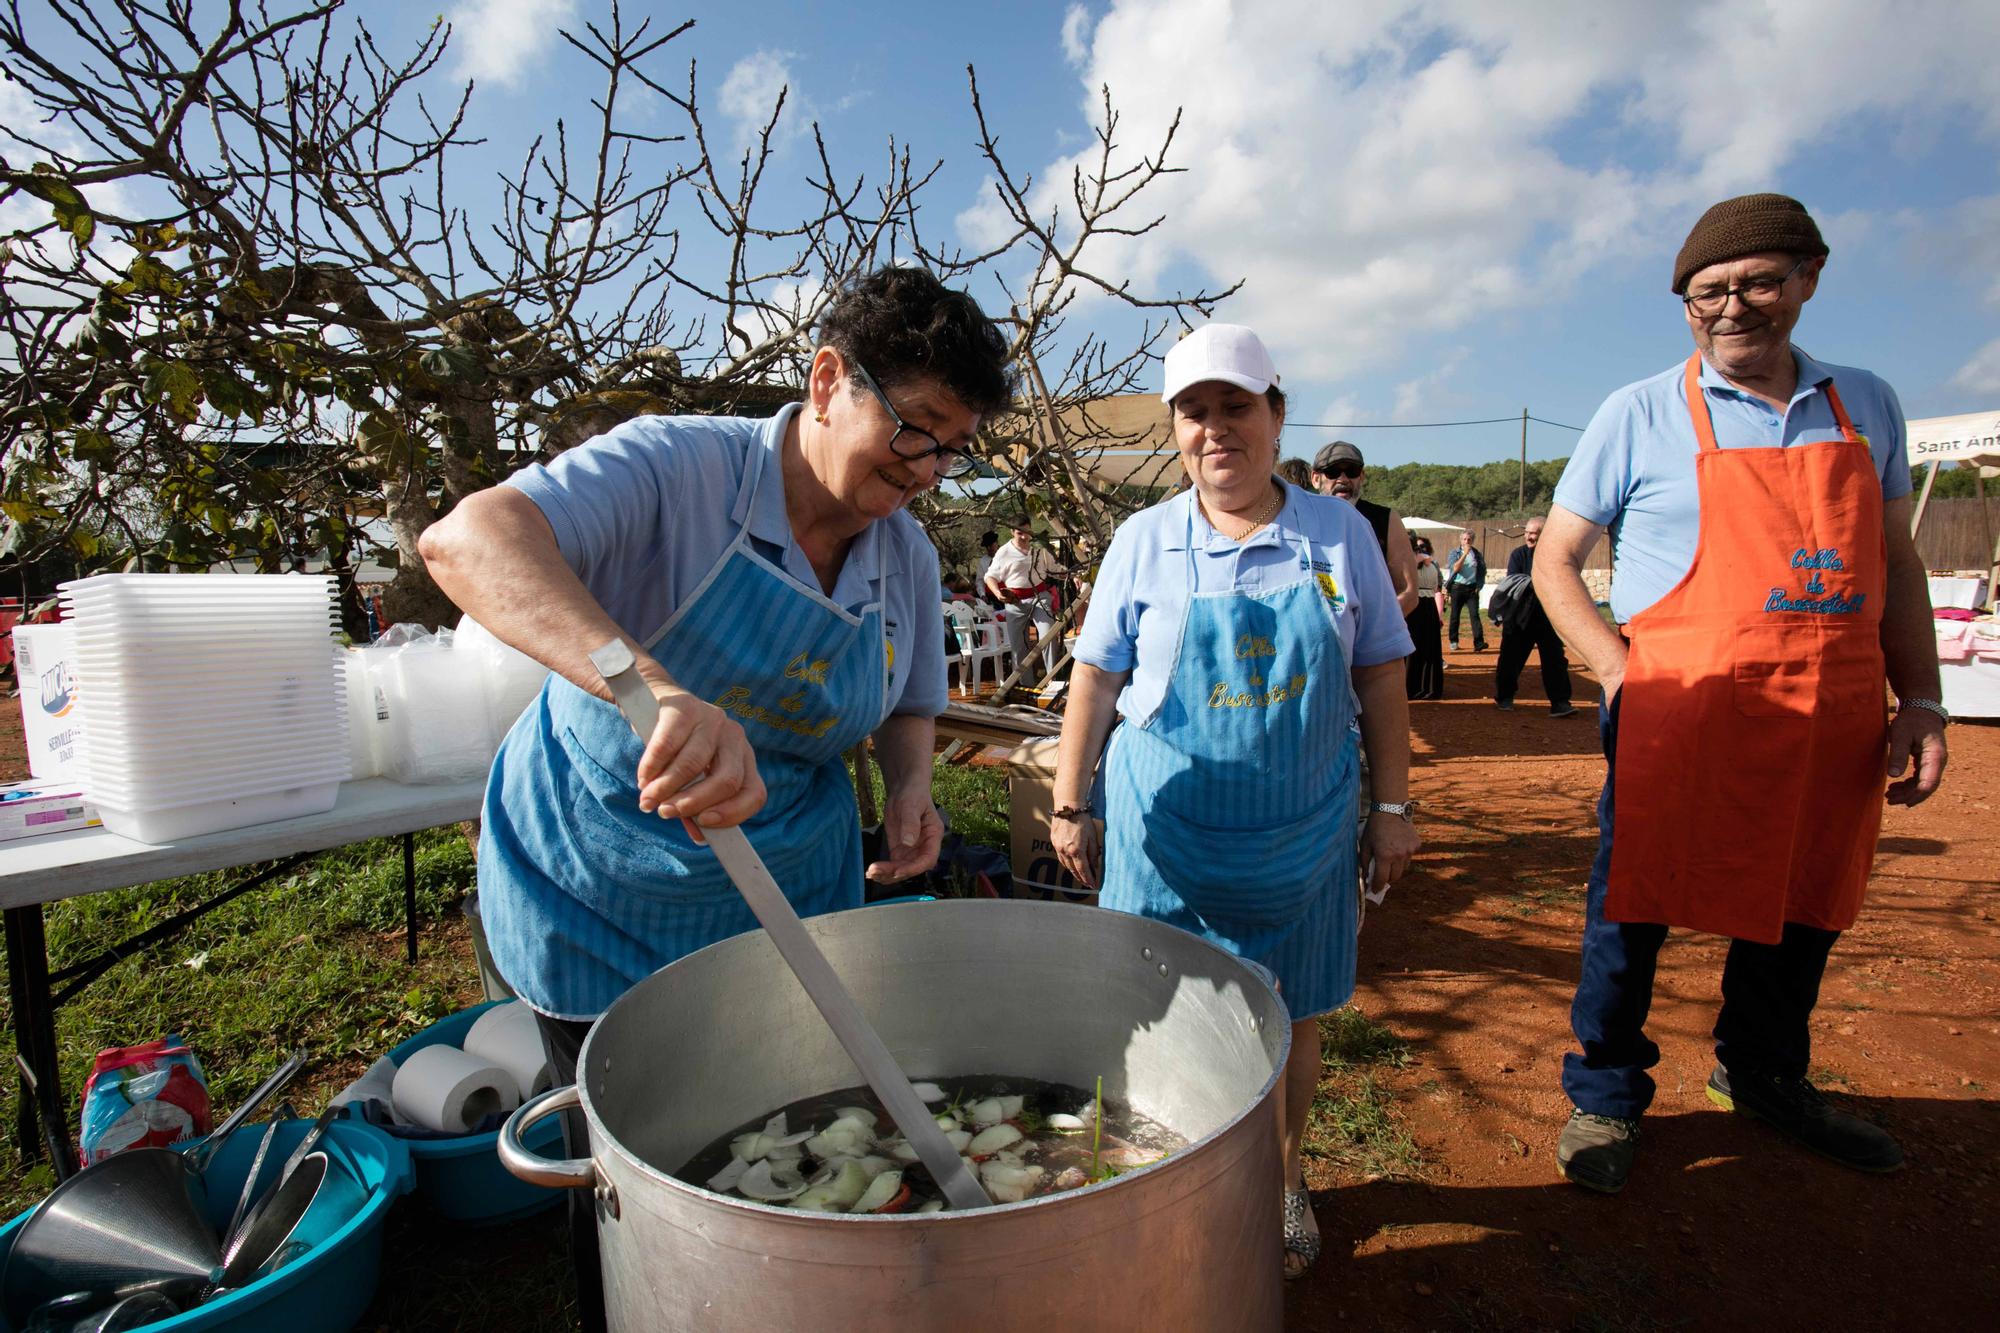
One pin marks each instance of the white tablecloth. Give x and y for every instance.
(1972, 687)
(1965, 594)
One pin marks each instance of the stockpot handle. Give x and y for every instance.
(574, 1173)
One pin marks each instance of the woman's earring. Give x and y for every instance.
(820, 417)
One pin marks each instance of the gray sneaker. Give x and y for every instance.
(1595, 1151)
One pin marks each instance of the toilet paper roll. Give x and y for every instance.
(441, 1087)
(506, 1035)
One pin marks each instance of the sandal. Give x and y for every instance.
(1301, 1232)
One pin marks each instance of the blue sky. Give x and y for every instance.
(1442, 209)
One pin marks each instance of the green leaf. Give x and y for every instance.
(91, 445)
(163, 237)
(147, 274)
(386, 444)
(72, 213)
(173, 384)
(231, 396)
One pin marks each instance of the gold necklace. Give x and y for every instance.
(1263, 517)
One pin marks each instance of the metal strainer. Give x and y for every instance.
(134, 1217)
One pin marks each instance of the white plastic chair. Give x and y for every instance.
(954, 661)
(978, 641)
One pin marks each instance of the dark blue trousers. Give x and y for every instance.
(1768, 990)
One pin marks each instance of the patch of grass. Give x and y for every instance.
(1352, 1122)
(1533, 896)
(1349, 1038)
(974, 800)
(1825, 1077)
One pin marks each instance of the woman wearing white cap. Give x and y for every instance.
(1241, 630)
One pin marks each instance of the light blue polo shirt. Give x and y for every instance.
(643, 512)
(1141, 592)
(1633, 470)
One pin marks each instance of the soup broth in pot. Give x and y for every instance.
(1022, 1137)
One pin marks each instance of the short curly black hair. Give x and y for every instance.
(902, 324)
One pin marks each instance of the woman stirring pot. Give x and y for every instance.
(782, 608)
(1234, 628)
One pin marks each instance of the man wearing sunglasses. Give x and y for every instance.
(1340, 471)
(1769, 597)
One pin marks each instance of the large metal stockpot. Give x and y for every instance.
(1185, 1032)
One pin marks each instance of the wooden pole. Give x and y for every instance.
(1986, 524)
(1021, 664)
(1930, 479)
(1522, 503)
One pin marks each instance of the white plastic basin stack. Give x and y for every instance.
(214, 699)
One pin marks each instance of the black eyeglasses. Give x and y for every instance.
(1755, 292)
(1341, 470)
(953, 463)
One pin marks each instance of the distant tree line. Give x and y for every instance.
(1443, 490)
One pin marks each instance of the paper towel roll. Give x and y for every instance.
(441, 1087)
(506, 1035)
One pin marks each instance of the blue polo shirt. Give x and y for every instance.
(1633, 470)
(644, 511)
(1140, 596)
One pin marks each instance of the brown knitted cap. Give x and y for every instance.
(1746, 225)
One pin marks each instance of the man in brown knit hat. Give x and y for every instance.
(1768, 595)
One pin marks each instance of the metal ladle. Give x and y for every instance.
(614, 661)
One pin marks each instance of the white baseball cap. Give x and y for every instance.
(1227, 352)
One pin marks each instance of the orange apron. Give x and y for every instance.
(1753, 721)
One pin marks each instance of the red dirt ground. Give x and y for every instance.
(1473, 961)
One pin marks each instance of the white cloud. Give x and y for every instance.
(1982, 373)
(500, 41)
(752, 88)
(1075, 34)
(1382, 170)
(27, 137)
(1965, 240)
(1418, 398)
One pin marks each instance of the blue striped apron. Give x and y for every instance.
(1229, 812)
(582, 895)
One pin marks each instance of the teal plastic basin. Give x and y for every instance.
(462, 1177)
(323, 1291)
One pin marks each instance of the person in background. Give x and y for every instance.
(1769, 595)
(1021, 579)
(1530, 631)
(989, 541)
(1425, 679)
(781, 606)
(1297, 471)
(1235, 628)
(1464, 576)
(1340, 471)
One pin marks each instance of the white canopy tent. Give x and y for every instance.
(1971, 679)
(1415, 524)
(1970, 440)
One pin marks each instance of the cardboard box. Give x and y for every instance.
(31, 808)
(51, 711)
(1031, 782)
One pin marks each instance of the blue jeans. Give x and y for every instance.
(1768, 990)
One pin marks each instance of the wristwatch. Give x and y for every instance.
(1407, 809)
(1929, 706)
